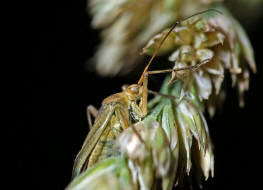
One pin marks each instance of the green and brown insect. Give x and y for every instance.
(118, 112)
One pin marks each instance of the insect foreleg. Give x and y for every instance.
(143, 103)
(136, 112)
(123, 118)
(91, 110)
(124, 122)
(190, 68)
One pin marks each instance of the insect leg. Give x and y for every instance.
(143, 104)
(91, 110)
(125, 124)
(123, 118)
(191, 68)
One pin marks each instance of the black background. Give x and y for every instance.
(54, 102)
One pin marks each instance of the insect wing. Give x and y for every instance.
(105, 146)
(92, 138)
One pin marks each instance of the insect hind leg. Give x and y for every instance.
(91, 110)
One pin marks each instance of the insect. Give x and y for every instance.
(117, 113)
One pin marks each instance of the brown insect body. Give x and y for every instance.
(116, 114)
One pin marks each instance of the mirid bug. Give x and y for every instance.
(117, 113)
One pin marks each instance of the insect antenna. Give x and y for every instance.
(165, 37)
